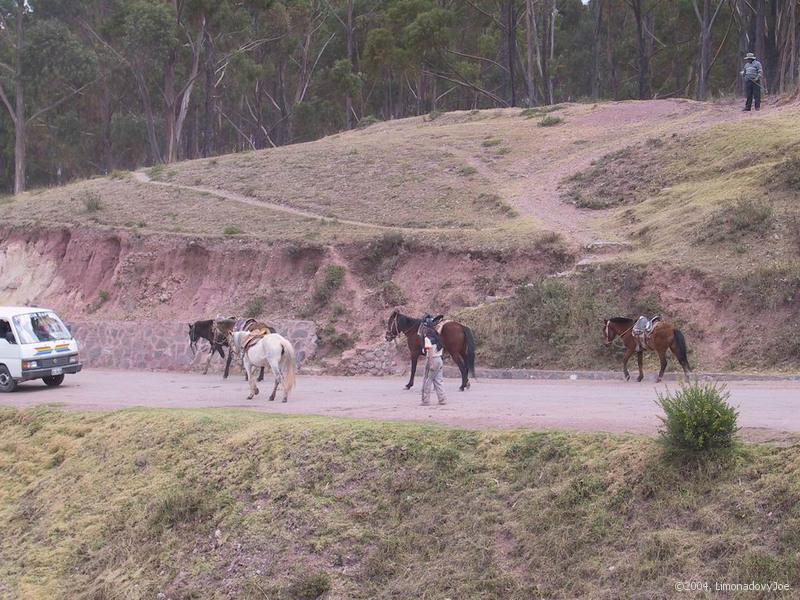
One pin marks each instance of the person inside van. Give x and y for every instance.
(41, 329)
(6, 333)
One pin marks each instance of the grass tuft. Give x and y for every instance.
(550, 121)
(232, 230)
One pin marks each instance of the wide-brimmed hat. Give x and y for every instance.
(749, 56)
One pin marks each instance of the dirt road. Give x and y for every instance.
(768, 409)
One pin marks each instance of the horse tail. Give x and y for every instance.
(683, 352)
(470, 337)
(288, 365)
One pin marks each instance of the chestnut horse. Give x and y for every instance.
(457, 339)
(664, 336)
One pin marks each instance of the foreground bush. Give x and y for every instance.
(698, 418)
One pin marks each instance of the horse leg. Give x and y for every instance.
(275, 365)
(462, 367)
(625, 359)
(261, 374)
(250, 369)
(639, 362)
(662, 355)
(208, 362)
(228, 364)
(410, 383)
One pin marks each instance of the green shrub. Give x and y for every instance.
(697, 418)
(550, 120)
(91, 202)
(255, 307)
(466, 171)
(156, 171)
(489, 142)
(367, 121)
(334, 278)
(392, 294)
(232, 230)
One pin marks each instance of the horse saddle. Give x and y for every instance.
(254, 337)
(643, 330)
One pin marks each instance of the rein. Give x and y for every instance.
(395, 330)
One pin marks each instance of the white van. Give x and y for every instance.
(34, 344)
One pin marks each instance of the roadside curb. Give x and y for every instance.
(452, 372)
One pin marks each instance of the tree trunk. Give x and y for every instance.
(705, 50)
(550, 83)
(209, 108)
(597, 25)
(349, 100)
(531, 43)
(641, 43)
(510, 20)
(20, 125)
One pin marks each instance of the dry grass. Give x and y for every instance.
(732, 193)
(229, 504)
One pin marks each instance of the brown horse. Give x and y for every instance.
(457, 339)
(664, 336)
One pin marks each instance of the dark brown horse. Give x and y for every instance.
(664, 337)
(457, 339)
(216, 333)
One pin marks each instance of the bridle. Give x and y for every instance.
(394, 328)
(617, 335)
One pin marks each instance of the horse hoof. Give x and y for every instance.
(408, 387)
(461, 389)
(639, 379)
(285, 400)
(272, 398)
(257, 391)
(627, 377)
(250, 397)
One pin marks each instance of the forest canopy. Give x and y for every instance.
(92, 86)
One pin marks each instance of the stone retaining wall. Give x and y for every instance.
(165, 346)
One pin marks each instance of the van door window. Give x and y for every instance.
(39, 327)
(6, 333)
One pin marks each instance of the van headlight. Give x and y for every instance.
(30, 364)
(73, 358)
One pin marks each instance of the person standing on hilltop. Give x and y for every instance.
(432, 348)
(752, 81)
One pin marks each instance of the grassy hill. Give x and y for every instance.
(230, 504)
(671, 206)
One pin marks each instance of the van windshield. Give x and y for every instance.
(34, 328)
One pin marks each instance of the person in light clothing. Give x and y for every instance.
(752, 81)
(432, 350)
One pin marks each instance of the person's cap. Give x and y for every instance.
(749, 56)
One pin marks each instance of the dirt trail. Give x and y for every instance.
(143, 177)
(531, 180)
(767, 408)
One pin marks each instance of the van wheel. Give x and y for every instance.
(53, 380)
(7, 383)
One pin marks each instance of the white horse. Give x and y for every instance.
(273, 350)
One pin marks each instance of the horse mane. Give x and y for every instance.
(621, 320)
(404, 322)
